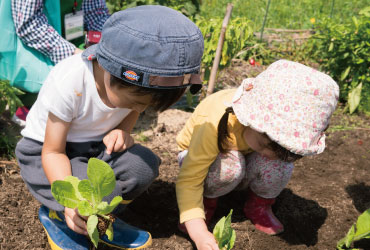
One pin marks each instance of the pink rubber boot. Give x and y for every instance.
(210, 205)
(258, 210)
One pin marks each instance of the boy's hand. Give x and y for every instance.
(75, 221)
(198, 232)
(117, 140)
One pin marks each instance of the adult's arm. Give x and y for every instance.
(95, 14)
(33, 28)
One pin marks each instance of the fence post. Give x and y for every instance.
(332, 8)
(212, 77)
(264, 19)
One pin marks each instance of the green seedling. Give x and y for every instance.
(87, 195)
(360, 230)
(224, 234)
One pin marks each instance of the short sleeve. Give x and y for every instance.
(60, 95)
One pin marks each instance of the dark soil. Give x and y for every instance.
(323, 199)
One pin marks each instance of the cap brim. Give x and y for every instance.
(196, 83)
(90, 52)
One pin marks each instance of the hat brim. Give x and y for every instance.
(251, 116)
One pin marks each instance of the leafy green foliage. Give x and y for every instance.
(187, 7)
(344, 51)
(9, 97)
(360, 230)
(8, 100)
(224, 234)
(238, 31)
(286, 14)
(87, 195)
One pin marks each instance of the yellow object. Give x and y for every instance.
(199, 137)
(52, 244)
(53, 215)
(125, 202)
(313, 20)
(147, 244)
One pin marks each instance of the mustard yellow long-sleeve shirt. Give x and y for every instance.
(199, 137)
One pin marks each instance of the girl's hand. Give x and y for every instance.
(75, 221)
(206, 241)
(198, 232)
(117, 140)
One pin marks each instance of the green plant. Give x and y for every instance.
(8, 100)
(238, 31)
(9, 97)
(87, 195)
(224, 234)
(344, 51)
(188, 7)
(286, 14)
(360, 230)
(142, 137)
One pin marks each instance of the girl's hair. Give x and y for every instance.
(161, 98)
(223, 134)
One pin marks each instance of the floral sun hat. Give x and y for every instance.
(291, 103)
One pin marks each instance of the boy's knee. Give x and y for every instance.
(144, 162)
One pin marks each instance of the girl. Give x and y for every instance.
(250, 137)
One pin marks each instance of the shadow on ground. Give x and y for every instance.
(360, 194)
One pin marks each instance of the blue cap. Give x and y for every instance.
(146, 41)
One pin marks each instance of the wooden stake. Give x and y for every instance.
(216, 62)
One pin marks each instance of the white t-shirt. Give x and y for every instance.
(70, 93)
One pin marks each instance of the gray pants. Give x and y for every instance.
(135, 168)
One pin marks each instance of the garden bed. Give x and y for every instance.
(323, 199)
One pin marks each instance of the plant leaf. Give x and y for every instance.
(331, 46)
(109, 232)
(365, 11)
(349, 237)
(104, 208)
(219, 228)
(363, 226)
(74, 181)
(354, 97)
(84, 208)
(92, 230)
(88, 192)
(224, 233)
(64, 193)
(345, 73)
(101, 177)
(232, 240)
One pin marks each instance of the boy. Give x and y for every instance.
(88, 106)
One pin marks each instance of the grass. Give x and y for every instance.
(342, 121)
(141, 137)
(289, 14)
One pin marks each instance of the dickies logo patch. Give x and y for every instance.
(131, 75)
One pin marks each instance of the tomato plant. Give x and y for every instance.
(238, 31)
(344, 51)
